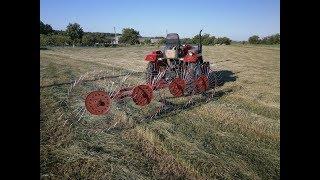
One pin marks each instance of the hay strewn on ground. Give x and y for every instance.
(235, 136)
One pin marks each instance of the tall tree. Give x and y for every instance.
(276, 39)
(45, 28)
(226, 41)
(254, 39)
(75, 32)
(129, 36)
(42, 27)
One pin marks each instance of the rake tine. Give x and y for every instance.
(65, 122)
(75, 82)
(81, 109)
(120, 85)
(112, 126)
(75, 116)
(76, 109)
(79, 79)
(111, 88)
(70, 88)
(81, 115)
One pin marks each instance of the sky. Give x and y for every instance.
(236, 19)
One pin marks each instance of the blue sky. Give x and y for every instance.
(236, 19)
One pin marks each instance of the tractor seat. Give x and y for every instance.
(171, 53)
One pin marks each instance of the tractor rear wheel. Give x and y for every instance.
(193, 73)
(151, 72)
(190, 77)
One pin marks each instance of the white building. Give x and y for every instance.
(115, 40)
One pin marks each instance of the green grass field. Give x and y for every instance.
(234, 136)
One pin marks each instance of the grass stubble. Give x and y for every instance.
(234, 136)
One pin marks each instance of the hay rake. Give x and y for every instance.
(177, 71)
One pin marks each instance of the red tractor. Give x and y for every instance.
(181, 65)
(181, 68)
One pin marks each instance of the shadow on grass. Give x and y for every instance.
(171, 108)
(224, 76)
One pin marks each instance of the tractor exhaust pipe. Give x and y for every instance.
(200, 42)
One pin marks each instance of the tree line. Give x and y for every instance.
(272, 39)
(74, 35)
(207, 39)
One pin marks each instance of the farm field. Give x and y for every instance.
(236, 135)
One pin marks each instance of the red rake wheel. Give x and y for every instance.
(202, 83)
(177, 87)
(142, 95)
(98, 102)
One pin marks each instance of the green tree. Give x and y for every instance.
(277, 38)
(212, 39)
(186, 41)
(147, 41)
(129, 36)
(101, 38)
(226, 41)
(43, 40)
(162, 41)
(223, 40)
(45, 28)
(75, 32)
(195, 39)
(60, 32)
(206, 39)
(88, 40)
(265, 40)
(42, 28)
(219, 40)
(60, 40)
(273, 39)
(46, 40)
(254, 39)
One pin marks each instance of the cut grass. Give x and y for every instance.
(234, 136)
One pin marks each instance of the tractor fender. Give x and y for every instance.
(192, 58)
(153, 56)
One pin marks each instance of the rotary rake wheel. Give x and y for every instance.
(142, 95)
(177, 87)
(98, 102)
(93, 100)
